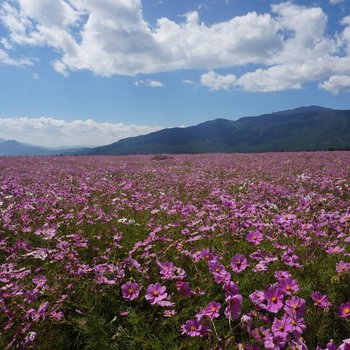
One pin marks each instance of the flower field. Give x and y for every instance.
(219, 251)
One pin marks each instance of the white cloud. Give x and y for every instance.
(52, 132)
(216, 81)
(6, 59)
(149, 83)
(337, 83)
(290, 46)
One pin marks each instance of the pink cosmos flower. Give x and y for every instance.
(342, 267)
(334, 250)
(255, 237)
(40, 280)
(345, 345)
(195, 328)
(288, 286)
(281, 328)
(234, 306)
(320, 300)
(295, 307)
(274, 299)
(130, 290)
(212, 310)
(344, 310)
(192, 328)
(238, 263)
(230, 289)
(184, 289)
(155, 293)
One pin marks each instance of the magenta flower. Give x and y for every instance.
(320, 300)
(288, 286)
(192, 328)
(295, 307)
(195, 328)
(345, 345)
(40, 280)
(130, 290)
(334, 250)
(212, 310)
(184, 289)
(230, 289)
(344, 310)
(234, 306)
(238, 263)
(274, 299)
(254, 237)
(281, 328)
(155, 293)
(342, 267)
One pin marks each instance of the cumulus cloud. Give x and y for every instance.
(337, 83)
(216, 81)
(52, 132)
(287, 47)
(149, 83)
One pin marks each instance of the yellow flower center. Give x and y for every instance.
(281, 328)
(288, 288)
(274, 299)
(238, 263)
(130, 291)
(213, 309)
(155, 293)
(217, 269)
(193, 328)
(293, 323)
(254, 237)
(347, 310)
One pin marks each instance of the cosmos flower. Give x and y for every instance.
(40, 281)
(255, 237)
(320, 300)
(155, 293)
(212, 310)
(344, 310)
(239, 263)
(130, 290)
(274, 299)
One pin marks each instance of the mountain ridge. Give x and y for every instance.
(300, 129)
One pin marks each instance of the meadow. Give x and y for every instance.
(217, 251)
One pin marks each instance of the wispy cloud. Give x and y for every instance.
(149, 83)
(52, 132)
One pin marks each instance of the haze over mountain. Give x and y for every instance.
(15, 148)
(305, 128)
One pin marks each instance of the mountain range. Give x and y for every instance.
(301, 129)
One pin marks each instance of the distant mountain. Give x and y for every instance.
(305, 128)
(15, 148)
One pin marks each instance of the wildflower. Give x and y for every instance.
(334, 250)
(230, 289)
(281, 328)
(40, 281)
(169, 313)
(238, 263)
(184, 289)
(320, 300)
(344, 310)
(288, 286)
(155, 293)
(130, 290)
(212, 310)
(342, 267)
(295, 307)
(254, 237)
(345, 345)
(193, 328)
(274, 299)
(234, 307)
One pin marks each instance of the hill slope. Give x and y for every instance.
(305, 128)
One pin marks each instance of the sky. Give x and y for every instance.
(88, 73)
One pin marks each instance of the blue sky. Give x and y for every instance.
(87, 72)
